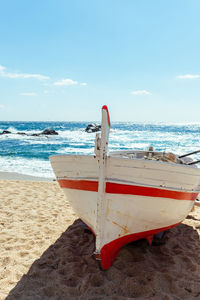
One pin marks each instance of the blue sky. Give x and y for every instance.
(62, 60)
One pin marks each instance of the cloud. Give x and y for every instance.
(188, 76)
(2, 106)
(28, 94)
(3, 73)
(2, 68)
(140, 92)
(66, 82)
(84, 83)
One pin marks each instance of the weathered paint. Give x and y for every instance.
(105, 129)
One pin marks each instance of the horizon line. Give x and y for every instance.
(95, 121)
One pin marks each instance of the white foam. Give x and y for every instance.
(34, 167)
(12, 129)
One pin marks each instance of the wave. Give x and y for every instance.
(34, 167)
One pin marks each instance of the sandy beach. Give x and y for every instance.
(46, 253)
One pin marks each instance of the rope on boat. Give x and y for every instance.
(194, 162)
(190, 153)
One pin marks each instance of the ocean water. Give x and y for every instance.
(29, 155)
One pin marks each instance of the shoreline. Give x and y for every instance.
(23, 177)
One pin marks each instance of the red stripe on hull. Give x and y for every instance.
(84, 185)
(115, 188)
(110, 251)
(124, 189)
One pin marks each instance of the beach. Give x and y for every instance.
(47, 252)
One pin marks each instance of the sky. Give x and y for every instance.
(63, 60)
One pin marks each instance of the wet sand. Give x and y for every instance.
(46, 253)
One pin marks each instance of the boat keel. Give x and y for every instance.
(110, 251)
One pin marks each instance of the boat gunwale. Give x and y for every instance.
(148, 161)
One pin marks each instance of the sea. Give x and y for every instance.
(28, 154)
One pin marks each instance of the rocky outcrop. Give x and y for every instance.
(35, 134)
(5, 132)
(93, 128)
(44, 132)
(49, 132)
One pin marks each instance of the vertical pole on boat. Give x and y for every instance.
(105, 129)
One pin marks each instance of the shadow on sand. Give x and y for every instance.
(67, 269)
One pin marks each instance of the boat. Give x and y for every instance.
(125, 196)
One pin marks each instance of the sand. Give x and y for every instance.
(46, 253)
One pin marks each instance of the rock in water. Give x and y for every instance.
(44, 132)
(49, 132)
(35, 134)
(5, 132)
(93, 128)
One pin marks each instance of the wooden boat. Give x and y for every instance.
(127, 195)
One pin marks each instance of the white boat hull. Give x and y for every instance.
(141, 198)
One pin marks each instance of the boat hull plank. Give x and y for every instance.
(74, 166)
(140, 214)
(84, 205)
(154, 174)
